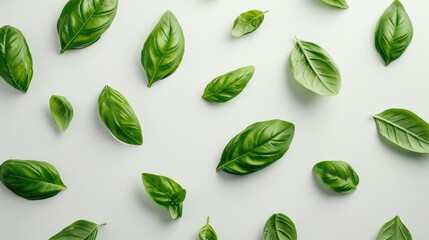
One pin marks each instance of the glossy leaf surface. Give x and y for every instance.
(394, 230)
(279, 227)
(337, 3)
(207, 232)
(247, 22)
(79, 230)
(338, 176)
(61, 111)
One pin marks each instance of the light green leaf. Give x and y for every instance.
(247, 22)
(394, 230)
(279, 227)
(207, 232)
(338, 176)
(61, 111)
(337, 3)
(79, 230)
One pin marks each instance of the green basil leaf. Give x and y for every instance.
(393, 33)
(337, 3)
(313, 68)
(61, 111)
(279, 227)
(164, 49)
(165, 192)
(394, 230)
(257, 147)
(119, 117)
(82, 22)
(247, 22)
(207, 232)
(227, 86)
(79, 230)
(404, 129)
(33, 180)
(16, 63)
(338, 176)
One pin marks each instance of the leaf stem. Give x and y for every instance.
(296, 38)
(208, 220)
(103, 224)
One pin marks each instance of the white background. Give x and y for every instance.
(184, 136)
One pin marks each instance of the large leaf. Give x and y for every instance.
(227, 86)
(247, 22)
(16, 63)
(165, 192)
(119, 117)
(404, 128)
(313, 68)
(393, 33)
(82, 22)
(258, 146)
(79, 230)
(33, 180)
(207, 232)
(337, 3)
(61, 111)
(394, 230)
(279, 227)
(164, 49)
(338, 176)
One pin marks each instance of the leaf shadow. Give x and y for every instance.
(403, 152)
(8, 91)
(151, 207)
(304, 95)
(325, 190)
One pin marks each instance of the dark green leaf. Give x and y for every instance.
(79, 230)
(247, 22)
(337, 3)
(16, 63)
(33, 180)
(227, 86)
(339, 176)
(394, 230)
(82, 22)
(61, 111)
(119, 117)
(164, 49)
(279, 227)
(207, 232)
(258, 146)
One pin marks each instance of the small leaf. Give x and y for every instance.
(165, 192)
(82, 22)
(207, 232)
(164, 49)
(247, 22)
(393, 33)
(119, 117)
(279, 227)
(394, 230)
(337, 3)
(313, 68)
(338, 176)
(33, 180)
(61, 111)
(257, 147)
(227, 86)
(16, 63)
(404, 129)
(79, 230)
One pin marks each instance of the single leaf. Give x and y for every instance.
(394, 230)
(404, 129)
(61, 111)
(247, 22)
(79, 230)
(393, 33)
(227, 86)
(119, 117)
(16, 63)
(33, 180)
(338, 176)
(207, 232)
(313, 68)
(337, 3)
(82, 22)
(279, 227)
(164, 49)
(257, 147)
(165, 192)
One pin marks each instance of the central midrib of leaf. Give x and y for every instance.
(159, 188)
(37, 181)
(399, 127)
(226, 85)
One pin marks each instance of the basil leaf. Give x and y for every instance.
(207, 232)
(33, 180)
(404, 129)
(61, 111)
(227, 86)
(338, 176)
(393, 33)
(313, 68)
(164, 49)
(279, 227)
(247, 22)
(337, 3)
(165, 192)
(82, 22)
(16, 63)
(257, 147)
(79, 230)
(119, 117)
(394, 230)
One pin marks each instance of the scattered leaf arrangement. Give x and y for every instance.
(82, 23)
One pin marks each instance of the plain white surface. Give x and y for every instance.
(184, 136)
